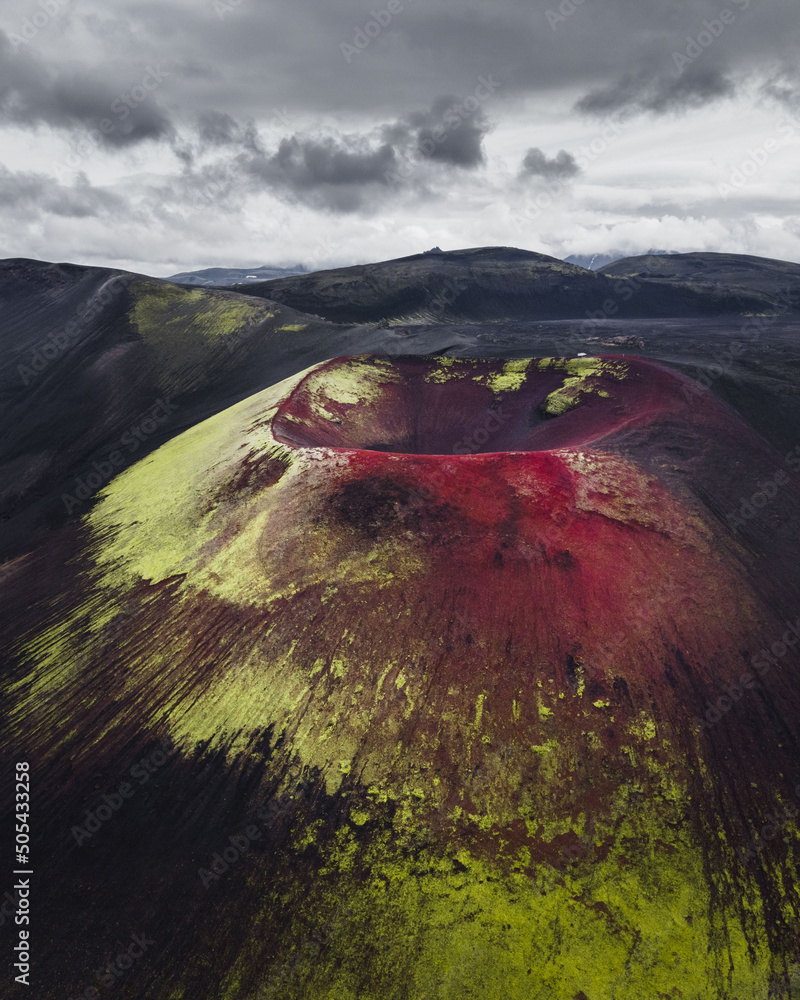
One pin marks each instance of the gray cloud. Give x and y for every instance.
(329, 173)
(262, 55)
(33, 94)
(783, 86)
(536, 164)
(350, 171)
(450, 132)
(215, 129)
(258, 58)
(258, 55)
(28, 194)
(642, 92)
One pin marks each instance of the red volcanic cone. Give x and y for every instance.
(507, 620)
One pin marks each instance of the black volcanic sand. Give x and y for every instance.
(660, 831)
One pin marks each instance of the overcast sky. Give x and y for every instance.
(168, 135)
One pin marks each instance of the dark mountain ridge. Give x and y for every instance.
(778, 281)
(489, 284)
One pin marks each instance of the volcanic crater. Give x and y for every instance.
(447, 406)
(482, 607)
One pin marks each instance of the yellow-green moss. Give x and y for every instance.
(353, 382)
(511, 378)
(163, 312)
(582, 377)
(449, 368)
(636, 921)
(188, 331)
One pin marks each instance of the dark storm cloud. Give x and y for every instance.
(643, 92)
(247, 60)
(330, 173)
(309, 163)
(536, 164)
(783, 86)
(451, 132)
(349, 171)
(216, 128)
(33, 94)
(260, 56)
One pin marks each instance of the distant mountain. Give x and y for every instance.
(491, 284)
(595, 261)
(227, 276)
(776, 280)
(591, 261)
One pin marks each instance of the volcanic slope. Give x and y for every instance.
(452, 681)
(98, 366)
(490, 284)
(778, 281)
(97, 363)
